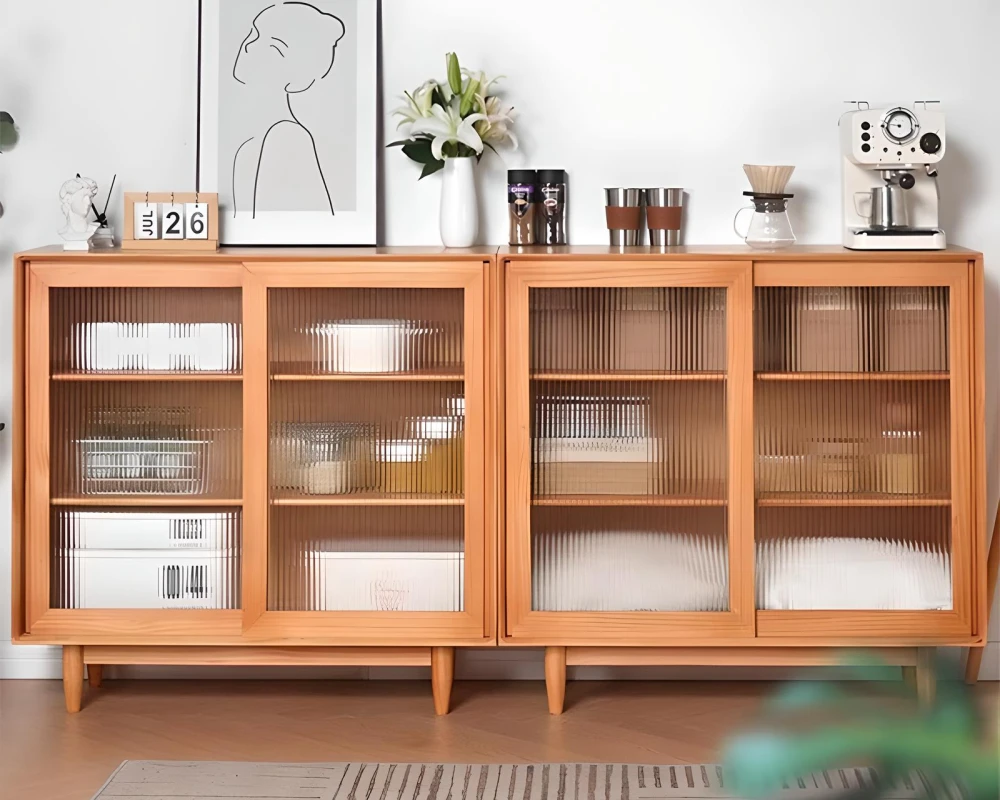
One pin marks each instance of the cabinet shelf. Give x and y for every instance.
(628, 376)
(604, 500)
(858, 500)
(369, 499)
(385, 377)
(853, 376)
(150, 501)
(147, 376)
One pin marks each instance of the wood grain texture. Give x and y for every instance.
(46, 755)
(256, 444)
(983, 594)
(975, 659)
(442, 678)
(37, 462)
(95, 674)
(725, 656)
(72, 663)
(260, 656)
(17, 428)
(555, 678)
(797, 253)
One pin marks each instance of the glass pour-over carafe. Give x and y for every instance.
(769, 226)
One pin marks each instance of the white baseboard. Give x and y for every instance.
(17, 663)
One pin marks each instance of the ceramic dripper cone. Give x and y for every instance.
(768, 179)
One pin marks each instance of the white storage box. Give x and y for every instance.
(141, 530)
(370, 346)
(160, 346)
(389, 581)
(148, 579)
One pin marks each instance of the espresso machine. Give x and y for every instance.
(889, 177)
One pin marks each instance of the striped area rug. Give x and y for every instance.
(370, 781)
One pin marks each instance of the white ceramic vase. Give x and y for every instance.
(459, 208)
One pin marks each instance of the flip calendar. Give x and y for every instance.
(171, 221)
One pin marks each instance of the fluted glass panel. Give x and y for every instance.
(384, 438)
(367, 558)
(146, 438)
(629, 559)
(366, 331)
(367, 450)
(851, 329)
(853, 448)
(148, 558)
(145, 330)
(628, 449)
(652, 329)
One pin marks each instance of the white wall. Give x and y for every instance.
(631, 92)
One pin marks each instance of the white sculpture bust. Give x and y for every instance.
(76, 195)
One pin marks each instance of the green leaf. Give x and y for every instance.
(454, 74)
(430, 168)
(400, 143)
(419, 150)
(468, 98)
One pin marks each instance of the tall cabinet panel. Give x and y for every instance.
(375, 433)
(135, 415)
(627, 452)
(863, 477)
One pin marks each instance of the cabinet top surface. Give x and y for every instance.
(716, 252)
(737, 252)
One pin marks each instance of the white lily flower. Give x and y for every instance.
(484, 82)
(495, 128)
(418, 105)
(447, 125)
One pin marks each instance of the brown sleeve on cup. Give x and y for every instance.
(624, 218)
(664, 218)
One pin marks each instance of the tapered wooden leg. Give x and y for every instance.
(555, 678)
(910, 677)
(992, 569)
(95, 675)
(442, 677)
(73, 676)
(926, 680)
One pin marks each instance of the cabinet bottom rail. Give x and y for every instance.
(441, 660)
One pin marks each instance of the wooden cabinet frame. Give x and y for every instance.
(251, 634)
(630, 629)
(497, 480)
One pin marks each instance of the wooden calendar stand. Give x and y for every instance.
(210, 244)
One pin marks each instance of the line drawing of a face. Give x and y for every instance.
(291, 46)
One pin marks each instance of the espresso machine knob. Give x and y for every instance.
(907, 181)
(930, 143)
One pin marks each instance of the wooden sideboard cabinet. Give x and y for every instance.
(708, 456)
(254, 457)
(722, 457)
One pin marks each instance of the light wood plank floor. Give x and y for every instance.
(46, 753)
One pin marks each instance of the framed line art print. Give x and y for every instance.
(287, 120)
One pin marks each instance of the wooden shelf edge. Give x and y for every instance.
(853, 376)
(857, 501)
(257, 655)
(627, 500)
(160, 501)
(368, 500)
(646, 377)
(143, 377)
(729, 656)
(372, 377)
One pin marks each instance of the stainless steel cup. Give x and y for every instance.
(664, 198)
(889, 207)
(620, 198)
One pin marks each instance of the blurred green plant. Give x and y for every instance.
(811, 726)
(8, 132)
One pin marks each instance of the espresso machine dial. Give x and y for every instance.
(900, 125)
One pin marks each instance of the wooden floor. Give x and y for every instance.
(46, 753)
